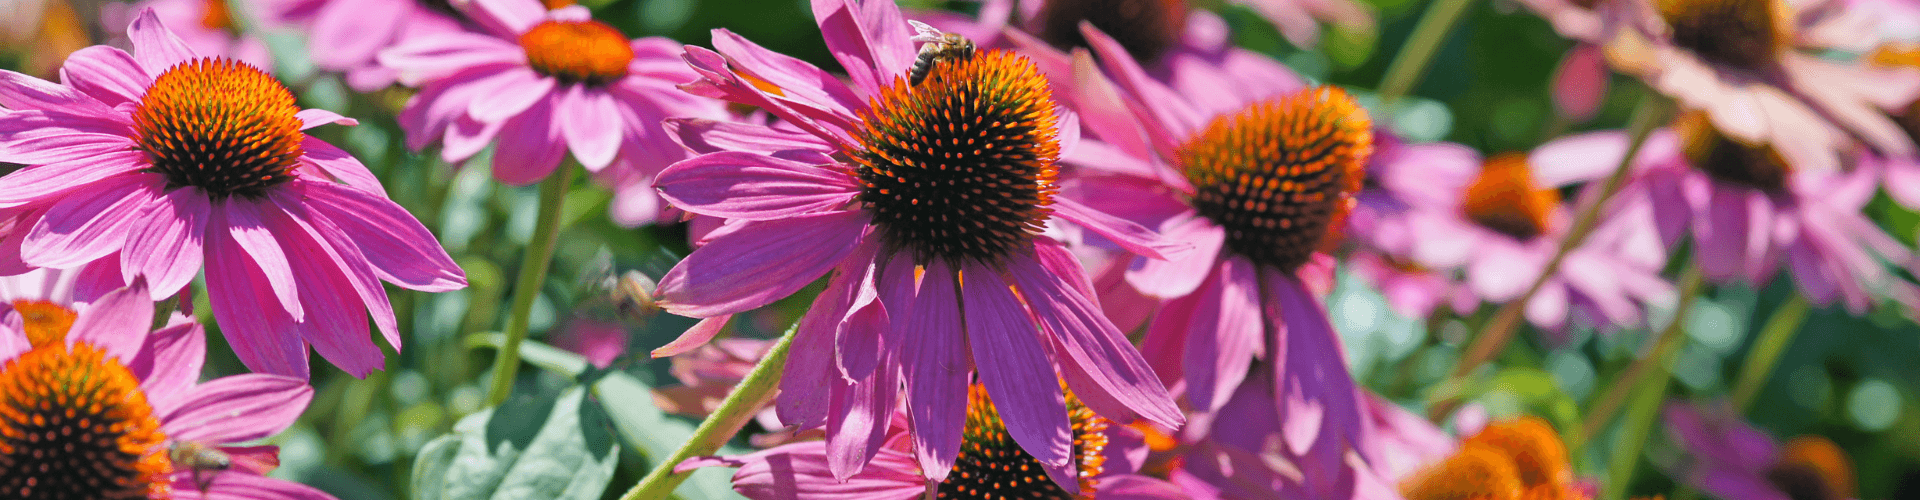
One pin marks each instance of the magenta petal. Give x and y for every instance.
(34, 137)
(245, 227)
(506, 18)
(354, 32)
(1130, 236)
(165, 246)
(234, 486)
(694, 337)
(259, 330)
(937, 367)
(800, 471)
(117, 322)
(1015, 369)
(310, 118)
(860, 334)
(341, 165)
(590, 121)
(756, 265)
(170, 363)
(740, 185)
(868, 38)
(811, 369)
(1316, 394)
(1580, 83)
(1224, 335)
(22, 92)
(401, 250)
(297, 223)
(107, 73)
(857, 429)
(1120, 381)
(703, 136)
(530, 146)
(238, 408)
(155, 46)
(1182, 274)
(337, 325)
(51, 181)
(87, 226)
(509, 93)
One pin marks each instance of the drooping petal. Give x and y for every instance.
(591, 124)
(155, 46)
(1224, 334)
(35, 137)
(258, 329)
(1179, 276)
(800, 471)
(117, 322)
(401, 250)
(1104, 368)
(530, 146)
(85, 227)
(741, 185)
(296, 220)
(1014, 367)
(238, 408)
(937, 367)
(697, 336)
(869, 38)
(233, 486)
(245, 227)
(856, 431)
(1316, 395)
(170, 363)
(166, 244)
(22, 92)
(754, 266)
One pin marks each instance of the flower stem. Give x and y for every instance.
(1774, 338)
(1410, 64)
(1642, 412)
(1668, 342)
(1499, 330)
(753, 393)
(533, 272)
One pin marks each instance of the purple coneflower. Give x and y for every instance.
(345, 36)
(541, 84)
(174, 161)
(145, 426)
(923, 199)
(1728, 458)
(208, 27)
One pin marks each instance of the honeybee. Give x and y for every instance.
(197, 457)
(939, 46)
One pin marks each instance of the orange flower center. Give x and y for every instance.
(1505, 198)
(221, 126)
(75, 425)
(961, 166)
(992, 466)
(1146, 28)
(217, 16)
(1813, 468)
(1727, 160)
(589, 52)
(1518, 460)
(1747, 34)
(46, 323)
(1280, 175)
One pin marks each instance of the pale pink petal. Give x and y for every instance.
(117, 323)
(1224, 334)
(165, 245)
(55, 181)
(1580, 83)
(85, 227)
(107, 73)
(310, 118)
(238, 408)
(155, 46)
(458, 55)
(869, 38)
(401, 250)
(1015, 369)
(1128, 235)
(694, 337)
(862, 336)
(936, 369)
(800, 471)
(752, 267)
(1105, 369)
(1107, 113)
(245, 226)
(353, 32)
(591, 125)
(170, 363)
(1179, 276)
(509, 93)
(750, 186)
(258, 329)
(12, 343)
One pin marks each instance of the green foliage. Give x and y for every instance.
(529, 447)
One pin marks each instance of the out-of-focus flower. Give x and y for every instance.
(991, 464)
(1728, 458)
(1749, 213)
(708, 373)
(174, 161)
(346, 35)
(1149, 29)
(923, 200)
(145, 426)
(541, 84)
(1401, 178)
(41, 33)
(600, 342)
(208, 27)
(1518, 459)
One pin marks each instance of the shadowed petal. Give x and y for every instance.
(165, 245)
(1105, 369)
(87, 226)
(238, 408)
(741, 185)
(530, 146)
(295, 220)
(1179, 276)
(1015, 369)
(749, 268)
(170, 364)
(1130, 236)
(869, 38)
(117, 322)
(1224, 335)
(245, 227)
(259, 330)
(694, 337)
(401, 250)
(936, 365)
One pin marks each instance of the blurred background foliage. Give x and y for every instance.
(1853, 379)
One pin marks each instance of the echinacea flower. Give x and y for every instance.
(1148, 28)
(208, 27)
(1728, 458)
(145, 426)
(991, 464)
(1520, 459)
(165, 161)
(541, 84)
(1749, 213)
(923, 201)
(1401, 177)
(345, 36)
(1260, 186)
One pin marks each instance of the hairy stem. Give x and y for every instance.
(533, 272)
(753, 393)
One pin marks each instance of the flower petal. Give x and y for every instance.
(1224, 335)
(298, 223)
(936, 370)
(591, 124)
(1128, 235)
(340, 165)
(1179, 276)
(107, 73)
(245, 226)
(54, 181)
(740, 185)
(259, 330)
(1316, 394)
(530, 146)
(234, 486)
(170, 363)
(694, 337)
(1015, 369)
(869, 38)
(712, 136)
(238, 408)
(117, 322)
(84, 227)
(757, 265)
(166, 243)
(310, 118)
(154, 46)
(1105, 369)
(34, 137)
(401, 250)
(22, 92)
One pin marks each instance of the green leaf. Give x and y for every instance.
(642, 426)
(550, 358)
(537, 447)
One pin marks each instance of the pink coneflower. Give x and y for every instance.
(174, 161)
(1749, 214)
(542, 84)
(144, 427)
(1148, 28)
(923, 201)
(345, 35)
(1401, 177)
(991, 464)
(1728, 458)
(207, 26)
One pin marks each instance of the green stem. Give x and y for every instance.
(1774, 338)
(747, 398)
(1669, 342)
(533, 272)
(1642, 413)
(1499, 330)
(1410, 64)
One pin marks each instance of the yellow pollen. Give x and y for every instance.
(75, 424)
(589, 52)
(960, 166)
(992, 466)
(46, 323)
(1505, 198)
(1746, 34)
(221, 126)
(1280, 175)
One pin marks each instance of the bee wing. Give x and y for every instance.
(253, 459)
(923, 32)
